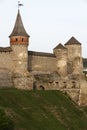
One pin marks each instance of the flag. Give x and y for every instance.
(20, 5)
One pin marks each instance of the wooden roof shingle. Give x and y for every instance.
(19, 29)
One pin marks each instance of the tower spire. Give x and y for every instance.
(19, 34)
(19, 29)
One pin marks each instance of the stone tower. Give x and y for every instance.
(19, 40)
(61, 56)
(19, 44)
(74, 57)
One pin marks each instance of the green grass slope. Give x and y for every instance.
(42, 110)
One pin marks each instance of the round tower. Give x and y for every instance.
(75, 65)
(61, 57)
(19, 40)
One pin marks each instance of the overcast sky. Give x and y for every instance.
(48, 22)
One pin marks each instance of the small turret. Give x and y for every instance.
(74, 56)
(61, 57)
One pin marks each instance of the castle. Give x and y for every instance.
(61, 70)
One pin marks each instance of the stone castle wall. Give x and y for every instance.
(6, 60)
(64, 61)
(42, 64)
(75, 88)
(6, 69)
(70, 87)
(75, 64)
(61, 61)
(61, 70)
(14, 67)
(21, 76)
(45, 72)
(20, 58)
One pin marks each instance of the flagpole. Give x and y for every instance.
(18, 4)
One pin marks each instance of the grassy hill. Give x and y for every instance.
(42, 110)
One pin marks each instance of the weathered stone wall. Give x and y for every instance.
(47, 72)
(20, 58)
(55, 82)
(6, 69)
(75, 88)
(42, 64)
(6, 60)
(61, 61)
(14, 68)
(83, 92)
(6, 80)
(49, 64)
(21, 77)
(74, 51)
(75, 64)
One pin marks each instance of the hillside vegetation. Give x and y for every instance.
(42, 110)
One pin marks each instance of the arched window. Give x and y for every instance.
(42, 87)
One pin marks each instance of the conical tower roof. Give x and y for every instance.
(19, 29)
(72, 41)
(60, 46)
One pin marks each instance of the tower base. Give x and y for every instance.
(23, 81)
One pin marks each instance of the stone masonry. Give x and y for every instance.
(61, 70)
